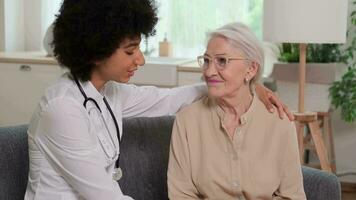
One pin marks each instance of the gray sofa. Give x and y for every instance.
(144, 150)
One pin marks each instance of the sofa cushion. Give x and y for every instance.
(320, 185)
(13, 162)
(144, 157)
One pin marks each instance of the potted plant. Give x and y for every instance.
(316, 53)
(343, 92)
(325, 62)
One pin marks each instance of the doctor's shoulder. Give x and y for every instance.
(61, 94)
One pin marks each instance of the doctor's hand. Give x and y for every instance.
(270, 100)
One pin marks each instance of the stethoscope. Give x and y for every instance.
(117, 174)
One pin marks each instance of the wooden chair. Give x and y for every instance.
(324, 122)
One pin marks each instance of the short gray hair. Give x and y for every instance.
(242, 38)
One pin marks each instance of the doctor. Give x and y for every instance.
(74, 134)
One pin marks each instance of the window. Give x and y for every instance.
(186, 22)
(49, 10)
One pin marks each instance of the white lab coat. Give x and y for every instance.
(67, 161)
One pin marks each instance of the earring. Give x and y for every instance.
(246, 80)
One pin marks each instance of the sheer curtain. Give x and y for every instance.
(186, 22)
(49, 10)
(38, 15)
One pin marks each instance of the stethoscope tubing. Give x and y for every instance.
(86, 100)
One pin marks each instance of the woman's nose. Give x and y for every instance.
(210, 70)
(140, 59)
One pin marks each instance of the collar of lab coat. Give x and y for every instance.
(91, 91)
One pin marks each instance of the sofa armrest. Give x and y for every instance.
(320, 185)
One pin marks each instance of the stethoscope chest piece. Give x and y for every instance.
(117, 174)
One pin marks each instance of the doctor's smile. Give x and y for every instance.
(132, 72)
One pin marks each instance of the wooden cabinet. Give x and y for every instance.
(165, 72)
(25, 76)
(189, 73)
(22, 83)
(188, 78)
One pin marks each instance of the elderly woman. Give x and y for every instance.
(227, 145)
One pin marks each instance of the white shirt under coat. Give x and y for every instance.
(67, 161)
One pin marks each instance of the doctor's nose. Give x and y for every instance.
(140, 59)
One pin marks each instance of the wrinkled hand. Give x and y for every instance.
(270, 100)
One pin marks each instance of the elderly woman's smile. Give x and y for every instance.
(213, 82)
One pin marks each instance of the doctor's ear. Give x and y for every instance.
(99, 63)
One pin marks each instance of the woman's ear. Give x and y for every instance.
(252, 70)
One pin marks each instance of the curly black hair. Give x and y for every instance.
(87, 31)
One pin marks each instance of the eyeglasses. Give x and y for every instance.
(220, 62)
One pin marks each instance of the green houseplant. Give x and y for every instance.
(316, 53)
(343, 95)
(343, 92)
